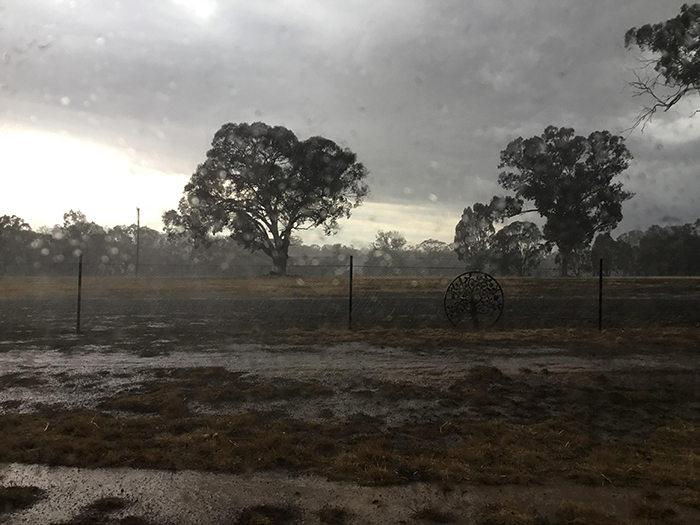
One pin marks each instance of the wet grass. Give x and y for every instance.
(173, 390)
(587, 341)
(433, 515)
(506, 511)
(330, 515)
(689, 498)
(18, 379)
(492, 452)
(269, 515)
(17, 498)
(102, 510)
(485, 428)
(517, 287)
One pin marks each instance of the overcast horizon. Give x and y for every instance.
(106, 106)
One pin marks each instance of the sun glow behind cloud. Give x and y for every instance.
(44, 175)
(201, 9)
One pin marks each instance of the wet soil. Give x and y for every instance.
(370, 434)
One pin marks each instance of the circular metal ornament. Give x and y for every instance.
(474, 298)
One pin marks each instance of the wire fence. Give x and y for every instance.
(330, 292)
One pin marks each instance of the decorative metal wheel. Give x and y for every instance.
(474, 297)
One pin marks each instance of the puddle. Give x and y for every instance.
(90, 373)
(194, 498)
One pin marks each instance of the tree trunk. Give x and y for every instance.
(564, 263)
(279, 263)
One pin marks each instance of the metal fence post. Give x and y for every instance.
(80, 291)
(600, 296)
(350, 297)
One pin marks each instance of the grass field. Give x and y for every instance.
(309, 287)
(270, 307)
(542, 419)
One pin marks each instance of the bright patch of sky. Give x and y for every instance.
(106, 105)
(201, 9)
(46, 175)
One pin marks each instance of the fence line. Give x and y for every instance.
(390, 300)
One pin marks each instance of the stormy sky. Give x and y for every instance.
(108, 105)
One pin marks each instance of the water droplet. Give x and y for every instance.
(300, 281)
(432, 197)
(100, 41)
(44, 251)
(434, 165)
(65, 101)
(407, 190)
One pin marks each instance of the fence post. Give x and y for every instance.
(600, 296)
(350, 297)
(80, 291)
(138, 239)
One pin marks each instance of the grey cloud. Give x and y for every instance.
(427, 93)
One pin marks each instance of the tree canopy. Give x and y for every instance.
(260, 183)
(676, 66)
(518, 248)
(570, 181)
(472, 236)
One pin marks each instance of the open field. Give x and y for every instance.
(199, 401)
(515, 287)
(31, 306)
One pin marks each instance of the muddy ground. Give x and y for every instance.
(160, 430)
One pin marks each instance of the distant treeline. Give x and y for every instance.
(670, 250)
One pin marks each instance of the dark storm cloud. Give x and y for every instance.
(427, 93)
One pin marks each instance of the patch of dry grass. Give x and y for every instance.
(516, 287)
(433, 515)
(507, 512)
(491, 452)
(331, 515)
(269, 515)
(17, 498)
(689, 498)
(585, 340)
(576, 513)
(175, 388)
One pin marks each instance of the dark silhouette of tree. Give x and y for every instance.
(86, 238)
(605, 247)
(473, 236)
(16, 237)
(676, 67)
(518, 248)
(260, 184)
(433, 246)
(387, 254)
(580, 261)
(569, 179)
(673, 250)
